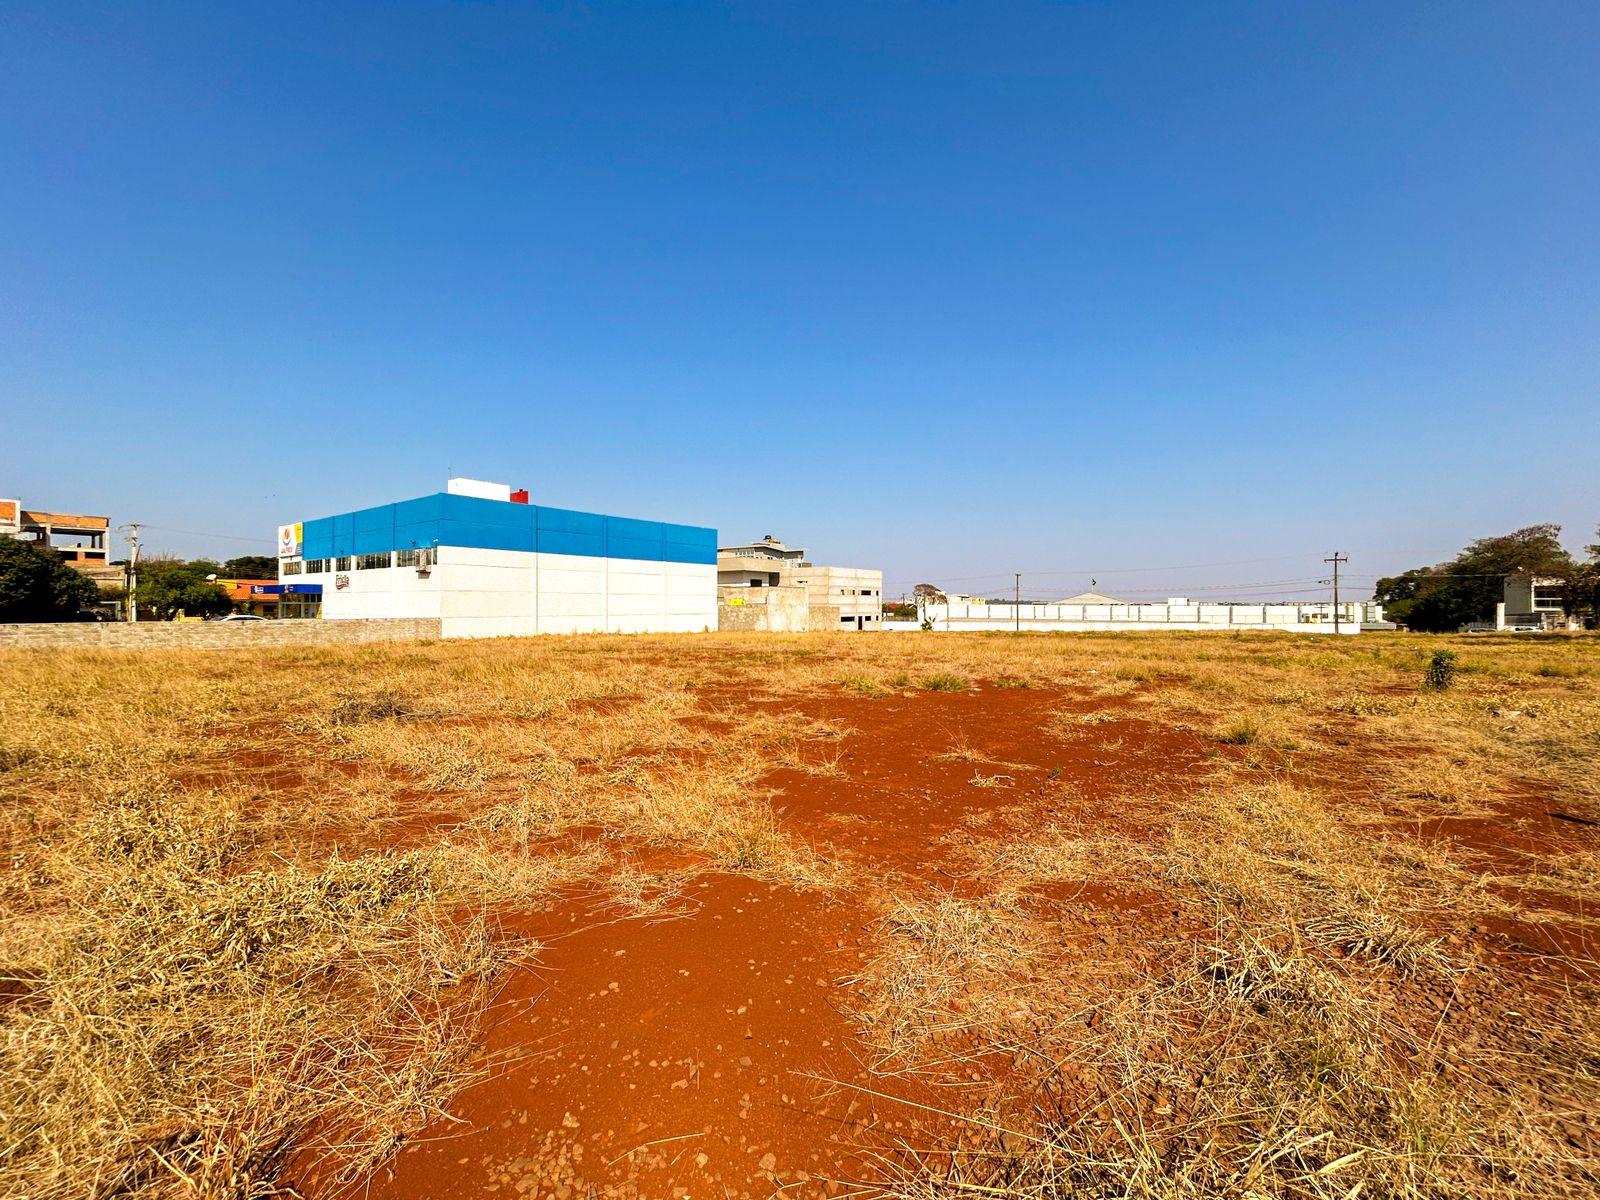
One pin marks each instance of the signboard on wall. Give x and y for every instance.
(289, 539)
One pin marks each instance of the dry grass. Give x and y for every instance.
(251, 900)
(214, 961)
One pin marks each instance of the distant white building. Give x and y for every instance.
(1534, 603)
(1091, 598)
(486, 563)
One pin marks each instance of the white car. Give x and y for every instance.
(239, 617)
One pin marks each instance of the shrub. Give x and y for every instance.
(944, 681)
(1441, 672)
(1243, 732)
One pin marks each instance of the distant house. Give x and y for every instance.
(1090, 598)
(1534, 602)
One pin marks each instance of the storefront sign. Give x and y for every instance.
(289, 539)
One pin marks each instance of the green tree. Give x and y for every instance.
(168, 586)
(1442, 598)
(35, 585)
(250, 566)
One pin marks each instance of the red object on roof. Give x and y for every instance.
(519, 496)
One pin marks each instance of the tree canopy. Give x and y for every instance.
(168, 586)
(1442, 598)
(250, 566)
(35, 585)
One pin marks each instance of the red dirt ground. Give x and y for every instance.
(709, 1050)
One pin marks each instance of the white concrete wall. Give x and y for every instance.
(509, 593)
(1297, 618)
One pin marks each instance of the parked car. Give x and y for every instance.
(239, 617)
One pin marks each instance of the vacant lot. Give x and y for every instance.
(927, 915)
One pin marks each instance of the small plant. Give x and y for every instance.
(380, 706)
(1441, 672)
(1012, 682)
(944, 681)
(1243, 732)
(1557, 671)
(902, 680)
(863, 684)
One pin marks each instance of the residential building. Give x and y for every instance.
(80, 540)
(844, 598)
(487, 563)
(1534, 603)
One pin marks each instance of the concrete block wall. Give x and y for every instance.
(212, 635)
(827, 618)
(783, 609)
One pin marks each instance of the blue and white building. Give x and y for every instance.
(487, 563)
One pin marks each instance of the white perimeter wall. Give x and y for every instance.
(1101, 618)
(509, 593)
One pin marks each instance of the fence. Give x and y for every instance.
(1299, 618)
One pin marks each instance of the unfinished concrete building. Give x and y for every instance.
(766, 585)
(79, 540)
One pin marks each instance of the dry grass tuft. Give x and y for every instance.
(185, 1025)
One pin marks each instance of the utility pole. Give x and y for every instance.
(1336, 560)
(133, 568)
(1017, 607)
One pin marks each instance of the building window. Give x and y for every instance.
(289, 566)
(342, 563)
(317, 566)
(372, 562)
(407, 558)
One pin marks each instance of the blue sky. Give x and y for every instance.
(955, 290)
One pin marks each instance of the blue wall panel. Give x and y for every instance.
(553, 541)
(448, 520)
(566, 520)
(690, 544)
(316, 538)
(627, 538)
(481, 536)
(344, 533)
(415, 512)
(416, 537)
(473, 510)
(374, 530)
(564, 531)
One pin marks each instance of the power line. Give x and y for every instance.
(227, 537)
